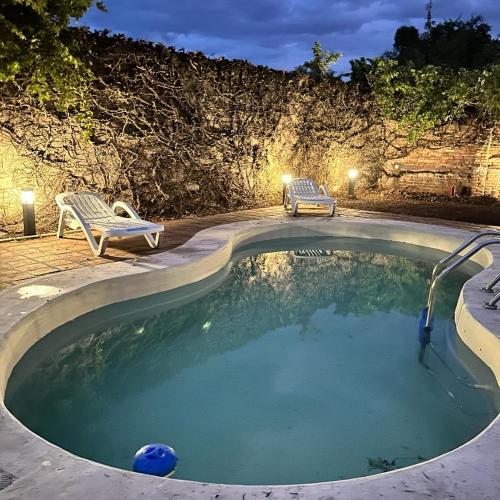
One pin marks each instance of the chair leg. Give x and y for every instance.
(153, 242)
(101, 249)
(97, 249)
(60, 226)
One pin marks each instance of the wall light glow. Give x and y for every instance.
(27, 196)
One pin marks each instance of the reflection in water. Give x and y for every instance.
(301, 366)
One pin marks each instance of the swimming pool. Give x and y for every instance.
(35, 468)
(296, 363)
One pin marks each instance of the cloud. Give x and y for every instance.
(278, 33)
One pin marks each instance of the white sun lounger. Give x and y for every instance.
(307, 192)
(91, 212)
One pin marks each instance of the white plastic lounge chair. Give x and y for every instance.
(307, 192)
(91, 212)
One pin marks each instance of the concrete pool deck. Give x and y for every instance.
(32, 468)
(27, 259)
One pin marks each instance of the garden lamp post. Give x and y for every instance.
(352, 174)
(28, 202)
(287, 178)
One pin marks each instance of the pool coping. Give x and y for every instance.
(38, 469)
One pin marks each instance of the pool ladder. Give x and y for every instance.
(438, 273)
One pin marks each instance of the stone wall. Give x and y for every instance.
(451, 161)
(178, 133)
(486, 176)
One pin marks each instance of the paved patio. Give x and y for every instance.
(25, 259)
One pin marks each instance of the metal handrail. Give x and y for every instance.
(435, 280)
(463, 246)
(489, 286)
(492, 304)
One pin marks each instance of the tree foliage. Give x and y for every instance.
(319, 66)
(422, 99)
(452, 44)
(447, 73)
(38, 51)
(489, 102)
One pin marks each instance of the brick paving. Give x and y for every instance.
(24, 259)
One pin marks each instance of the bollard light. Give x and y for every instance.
(352, 174)
(28, 202)
(287, 178)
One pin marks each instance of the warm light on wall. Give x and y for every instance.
(353, 173)
(27, 196)
(28, 201)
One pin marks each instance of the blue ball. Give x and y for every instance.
(155, 459)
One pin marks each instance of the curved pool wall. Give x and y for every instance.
(33, 468)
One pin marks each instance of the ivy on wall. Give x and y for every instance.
(178, 133)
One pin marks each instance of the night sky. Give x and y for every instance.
(279, 33)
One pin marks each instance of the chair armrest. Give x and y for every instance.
(323, 190)
(128, 208)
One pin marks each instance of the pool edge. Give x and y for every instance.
(201, 256)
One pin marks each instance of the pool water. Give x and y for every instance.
(288, 366)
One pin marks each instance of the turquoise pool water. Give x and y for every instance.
(282, 368)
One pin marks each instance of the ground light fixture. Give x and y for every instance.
(352, 174)
(287, 178)
(28, 202)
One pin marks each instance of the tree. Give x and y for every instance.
(461, 44)
(38, 50)
(407, 46)
(361, 69)
(452, 44)
(319, 66)
(447, 73)
(406, 37)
